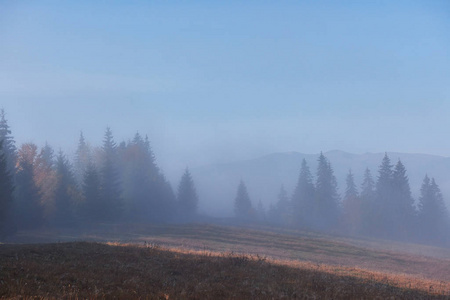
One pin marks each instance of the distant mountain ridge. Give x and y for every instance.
(217, 183)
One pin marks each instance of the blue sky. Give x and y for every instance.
(213, 81)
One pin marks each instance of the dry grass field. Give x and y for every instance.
(216, 262)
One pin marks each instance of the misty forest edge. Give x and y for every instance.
(122, 183)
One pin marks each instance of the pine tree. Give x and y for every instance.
(82, 158)
(281, 213)
(148, 195)
(66, 193)
(403, 203)
(6, 195)
(303, 198)
(110, 185)
(9, 147)
(45, 179)
(136, 174)
(352, 206)
(187, 197)
(368, 197)
(383, 208)
(433, 215)
(92, 208)
(368, 186)
(28, 206)
(242, 205)
(163, 199)
(327, 206)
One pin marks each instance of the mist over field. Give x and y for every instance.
(162, 121)
(264, 175)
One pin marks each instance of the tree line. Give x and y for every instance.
(382, 208)
(123, 183)
(111, 183)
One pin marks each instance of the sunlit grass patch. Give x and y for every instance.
(95, 270)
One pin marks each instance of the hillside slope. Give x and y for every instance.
(98, 271)
(420, 261)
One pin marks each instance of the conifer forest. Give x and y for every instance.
(120, 183)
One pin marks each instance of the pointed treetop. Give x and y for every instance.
(351, 191)
(368, 185)
(242, 203)
(137, 140)
(108, 142)
(305, 173)
(82, 141)
(47, 154)
(9, 147)
(385, 170)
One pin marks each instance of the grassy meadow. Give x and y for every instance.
(200, 261)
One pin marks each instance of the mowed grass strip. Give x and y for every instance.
(94, 270)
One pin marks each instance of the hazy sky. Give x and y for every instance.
(213, 81)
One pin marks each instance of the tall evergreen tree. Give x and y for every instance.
(303, 198)
(28, 206)
(352, 206)
(281, 213)
(110, 185)
(148, 195)
(187, 196)
(327, 205)
(82, 158)
(383, 208)
(368, 197)
(368, 186)
(66, 193)
(45, 179)
(403, 203)
(92, 208)
(433, 215)
(9, 147)
(6, 195)
(242, 205)
(136, 174)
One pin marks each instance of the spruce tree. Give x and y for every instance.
(9, 147)
(433, 215)
(352, 207)
(148, 195)
(368, 197)
(281, 213)
(242, 205)
(163, 199)
(402, 203)
(136, 174)
(303, 198)
(368, 186)
(327, 205)
(92, 208)
(383, 208)
(28, 206)
(110, 184)
(66, 193)
(45, 178)
(82, 158)
(187, 197)
(6, 195)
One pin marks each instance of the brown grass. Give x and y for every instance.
(210, 262)
(93, 270)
